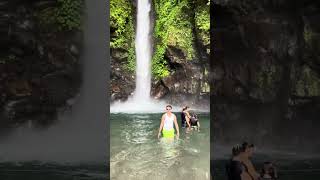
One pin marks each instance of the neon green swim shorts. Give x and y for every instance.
(168, 133)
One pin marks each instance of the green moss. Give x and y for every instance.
(205, 87)
(203, 23)
(308, 83)
(300, 91)
(8, 58)
(172, 27)
(159, 65)
(121, 21)
(267, 78)
(307, 34)
(66, 16)
(131, 60)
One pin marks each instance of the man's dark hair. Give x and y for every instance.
(185, 107)
(236, 150)
(169, 106)
(244, 146)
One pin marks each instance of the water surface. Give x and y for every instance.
(137, 154)
(36, 170)
(288, 168)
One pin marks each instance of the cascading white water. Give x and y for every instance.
(143, 53)
(141, 102)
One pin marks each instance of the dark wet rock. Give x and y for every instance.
(74, 50)
(39, 66)
(187, 76)
(159, 90)
(175, 55)
(122, 81)
(265, 72)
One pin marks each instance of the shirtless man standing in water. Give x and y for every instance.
(166, 125)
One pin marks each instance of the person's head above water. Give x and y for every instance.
(247, 148)
(168, 108)
(185, 108)
(236, 150)
(251, 149)
(268, 168)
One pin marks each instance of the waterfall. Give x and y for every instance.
(141, 102)
(143, 52)
(80, 135)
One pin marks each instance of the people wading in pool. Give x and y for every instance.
(194, 121)
(166, 125)
(236, 169)
(185, 117)
(269, 172)
(247, 150)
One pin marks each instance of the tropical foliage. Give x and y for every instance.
(173, 27)
(66, 16)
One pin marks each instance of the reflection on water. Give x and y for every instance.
(137, 154)
(51, 171)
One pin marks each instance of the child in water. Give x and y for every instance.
(268, 172)
(194, 121)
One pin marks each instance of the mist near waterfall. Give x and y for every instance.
(80, 135)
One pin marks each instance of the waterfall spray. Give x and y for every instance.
(80, 136)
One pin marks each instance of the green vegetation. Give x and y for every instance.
(202, 18)
(8, 58)
(66, 16)
(308, 83)
(173, 27)
(122, 29)
(308, 35)
(268, 77)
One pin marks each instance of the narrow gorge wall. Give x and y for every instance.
(40, 68)
(266, 73)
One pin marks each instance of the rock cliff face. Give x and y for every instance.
(39, 64)
(187, 82)
(265, 71)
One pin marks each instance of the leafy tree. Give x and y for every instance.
(122, 33)
(66, 16)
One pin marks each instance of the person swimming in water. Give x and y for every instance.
(268, 172)
(194, 121)
(166, 125)
(185, 117)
